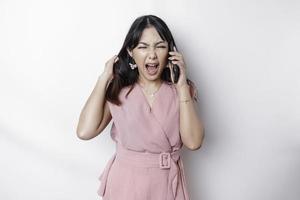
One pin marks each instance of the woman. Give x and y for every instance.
(153, 116)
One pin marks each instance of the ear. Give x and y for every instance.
(129, 52)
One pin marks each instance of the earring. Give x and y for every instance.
(132, 66)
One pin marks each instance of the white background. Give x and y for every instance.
(241, 54)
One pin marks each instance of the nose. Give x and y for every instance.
(152, 53)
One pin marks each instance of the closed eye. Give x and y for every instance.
(146, 47)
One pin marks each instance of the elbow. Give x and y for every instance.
(196, 145)
(82, 135)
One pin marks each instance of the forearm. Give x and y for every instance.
(92, 112)
(191, 127)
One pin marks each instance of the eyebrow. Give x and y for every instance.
(155, 43)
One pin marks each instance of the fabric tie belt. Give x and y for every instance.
(164, 160)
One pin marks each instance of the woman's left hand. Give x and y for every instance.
(177, 58)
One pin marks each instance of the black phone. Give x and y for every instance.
(176, 69)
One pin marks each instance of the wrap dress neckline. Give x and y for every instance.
(157, 94)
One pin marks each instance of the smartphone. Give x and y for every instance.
(175, 68)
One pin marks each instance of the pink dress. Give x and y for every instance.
(147, 163)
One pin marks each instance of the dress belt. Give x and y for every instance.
(163, 160)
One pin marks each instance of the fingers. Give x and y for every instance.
(112, 60)
(115, 58)
(175, 49)
(175, 57)
(178, 63)
(171, 72)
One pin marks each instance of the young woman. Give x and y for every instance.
(153, 116)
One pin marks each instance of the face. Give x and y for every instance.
(150, 55)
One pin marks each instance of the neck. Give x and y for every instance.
(150, 85)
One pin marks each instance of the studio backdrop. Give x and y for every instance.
(242, 55)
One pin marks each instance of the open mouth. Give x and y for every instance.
(152, 68)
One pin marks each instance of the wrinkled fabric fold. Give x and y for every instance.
(147, 159)
(183, 179)
(104, 175)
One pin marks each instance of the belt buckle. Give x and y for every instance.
(165, 156)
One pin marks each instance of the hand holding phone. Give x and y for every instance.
(175, 70)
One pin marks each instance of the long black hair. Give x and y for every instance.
(123, 75)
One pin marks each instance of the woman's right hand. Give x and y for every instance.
(108, 70)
